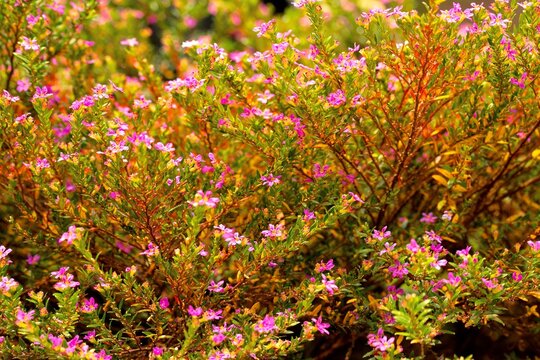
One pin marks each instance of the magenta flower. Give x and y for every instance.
(265, 325)
(398, 270)
(164, 303)
(29, 44)
(69, 236)
(490, 284)
(7, 283)
(308, 215)
(213, 314)
(520, 82)
(129, 42)
(271, 180)
(428, 218)
(217, 288)
(382, 234)
(452, 279)
(433, 236)
(25, 316)
(535, 245)
(66, 282)
(194, 311)
(517, 276)
(320, 325)
(4, 252)
(88, 305)
(337, 98)
(465, 252)
(379, 341)
(322, 266)
(387, 248)
(263, 28)
(330, 285)
(56, 341)
(274, 231)
(157, 351)
(204, 199)
(152, 250)
(413, 247)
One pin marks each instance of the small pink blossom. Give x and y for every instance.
(320, 325)
(535, 245)
(398, 270)
(204, 199)
(271, 180)
(29, 44)
(381, 234)
(263, 28)
(164, 303)
(322, 266)
(330, 285)
(428, 218)
(129, 42)
(194, 311)
(337, 98)
(152, 250)
(216, 287)
(268, 324)
(69, 236)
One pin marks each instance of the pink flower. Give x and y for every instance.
(152, 250)
(452, 279)
(157, 351)
(337, 98)
(274, 231)
(141, 102)
(308, 215)
(330, 285)
(194, 311)
(25, 316)
(320, 325)
(413, 247)
(88, 305)
(32, 259)
(216, 287)
(204, 199)
(6, 95)
(265, 325)
(29, 44)
(6, 284)
(4, 252)
(65, 279)
(517, 276)
(379, 341)
(465, 252)
(398, 270)
(520, 82)
(387, 248)
(382, 234)
(322, 267)
(271, 180)
(129, 42)
(69, 236)
(535, 245)
(263, 28)
(164, 303)
(428, 218)
(490, 284)
(42, 163)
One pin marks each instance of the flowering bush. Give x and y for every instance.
(237, 189)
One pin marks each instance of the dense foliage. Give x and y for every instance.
(197, 179)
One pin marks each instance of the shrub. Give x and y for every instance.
(164, 197)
